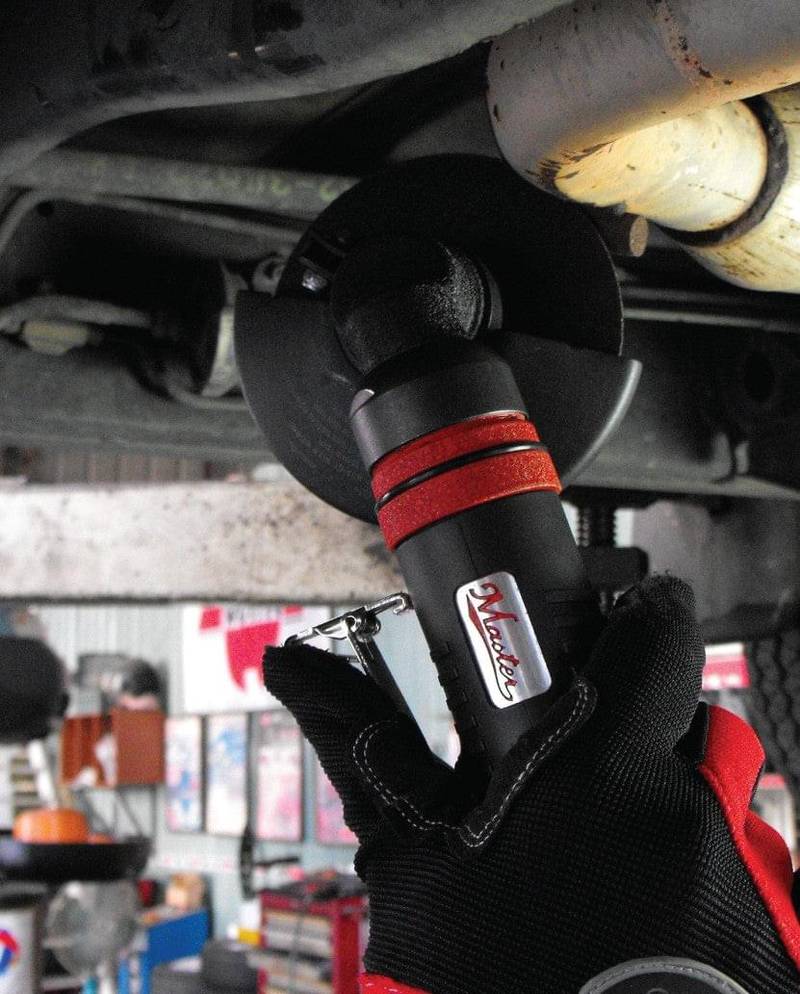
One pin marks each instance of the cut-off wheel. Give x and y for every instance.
(518, 269)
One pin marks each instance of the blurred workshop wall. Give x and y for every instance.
(154, 633)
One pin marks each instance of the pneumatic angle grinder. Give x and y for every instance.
(430, 324)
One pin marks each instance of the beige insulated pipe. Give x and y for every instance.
(637, 102)
(766, 256)
(693, 173)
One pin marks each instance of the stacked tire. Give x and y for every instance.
(774, 702)
(221, 969)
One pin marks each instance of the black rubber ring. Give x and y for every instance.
(777, 168)
(465, 460)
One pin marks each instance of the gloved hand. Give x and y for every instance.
(617, 831)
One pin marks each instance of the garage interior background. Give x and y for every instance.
(179, 534)
(155, 633)
(688, 539)
(207, 147)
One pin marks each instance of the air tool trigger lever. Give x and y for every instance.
(359, 627)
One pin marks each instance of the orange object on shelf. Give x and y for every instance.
(185, 892)
(51, 825)
(139, 747)
(99, 838)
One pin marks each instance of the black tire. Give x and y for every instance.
(225, 967)
(774, 702)
(165, 979)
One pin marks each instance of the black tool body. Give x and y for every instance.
(391, 290)
(467, 497)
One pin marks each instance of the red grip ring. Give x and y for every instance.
(452, 442)
(461, 489)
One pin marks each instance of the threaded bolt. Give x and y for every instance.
(597, 526)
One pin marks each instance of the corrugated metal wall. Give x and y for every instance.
(152, 632)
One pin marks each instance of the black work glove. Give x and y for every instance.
(619, 830)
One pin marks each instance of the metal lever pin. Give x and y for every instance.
(359, 627)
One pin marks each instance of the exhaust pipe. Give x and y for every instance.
(639, 103)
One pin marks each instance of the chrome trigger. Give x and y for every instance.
(359, 627)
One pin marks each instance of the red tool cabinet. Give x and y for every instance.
(310, 946)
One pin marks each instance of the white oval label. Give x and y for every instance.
(667, 975)
(502, 639)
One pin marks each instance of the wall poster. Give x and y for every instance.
(184, 773)
(277, 747)
(226, 774)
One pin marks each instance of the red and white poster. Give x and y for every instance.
(223, 650)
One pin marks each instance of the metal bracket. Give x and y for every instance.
(359, 627)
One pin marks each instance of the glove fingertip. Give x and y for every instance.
(647, 664)
(292, 654)
(306, 679)
(654, 619)
(295, 661)
(663, 594)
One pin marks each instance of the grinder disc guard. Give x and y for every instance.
(561, 328)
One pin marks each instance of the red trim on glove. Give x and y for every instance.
(375, 983)
(732, 764)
